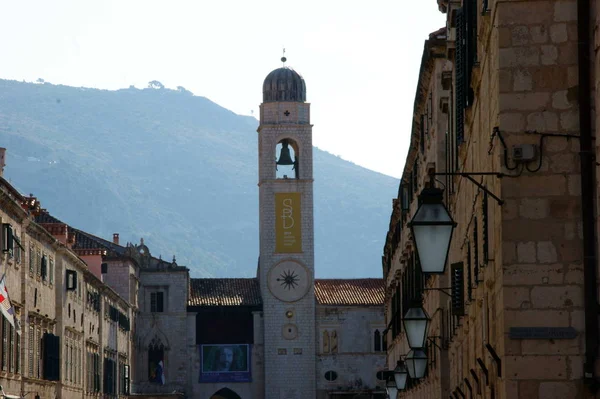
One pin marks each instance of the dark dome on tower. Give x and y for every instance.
(284, 84)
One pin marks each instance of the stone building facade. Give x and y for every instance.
(504, 80)
(101, 319)
(70, 337)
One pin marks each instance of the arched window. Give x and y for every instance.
(156, 355)
(377, 341)
(286, 160)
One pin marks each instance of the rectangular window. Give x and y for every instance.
(156, 302)
(51, 271)
(4, 343)
(17, 353)
(11, 348)
(44, 267)
(30, 351)
(7, 239)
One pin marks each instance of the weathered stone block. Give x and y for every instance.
(512, 122)
(533, 208)
(565, 11)
(519, 56)
(558, 33)
(549, 55)
(514, 297)
(542, 121)
(524, 101)
(533, 274)
(525, 13)
(556, 297)
(526, 252)
(569, 120)
(522, 80)
(537, 367)
(546, 252)
(557, 390)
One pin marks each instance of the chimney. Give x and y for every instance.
(116, 238)
(2, 160)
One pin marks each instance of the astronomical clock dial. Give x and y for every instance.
(288, 281)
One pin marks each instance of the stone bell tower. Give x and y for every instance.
(286, 268)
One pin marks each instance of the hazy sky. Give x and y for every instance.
(359, 59)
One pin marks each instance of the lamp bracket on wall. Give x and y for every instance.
(432, 340)
(469, 176)
(444, 290)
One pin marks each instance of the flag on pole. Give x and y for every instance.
(6, 307)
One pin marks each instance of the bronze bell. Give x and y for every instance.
(284, 155)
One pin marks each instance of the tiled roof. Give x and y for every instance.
(85, 240)
(246, 292)
(224, 292)
(46, 218)
(362, 291)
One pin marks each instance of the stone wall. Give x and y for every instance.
(355, 360)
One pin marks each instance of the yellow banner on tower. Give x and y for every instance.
(288, 226)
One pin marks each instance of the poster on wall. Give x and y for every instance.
(288, 227)
(225, 363)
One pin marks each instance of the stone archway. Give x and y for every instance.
(225, 393)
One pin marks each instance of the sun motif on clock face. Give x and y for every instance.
(289, 279)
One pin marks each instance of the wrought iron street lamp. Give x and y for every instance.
(391, 389)
(416, 361)
(416, 323)
(400, 375)
(432, 228)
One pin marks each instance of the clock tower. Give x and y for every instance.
(286, 265)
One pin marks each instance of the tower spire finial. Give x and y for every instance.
(283, 59)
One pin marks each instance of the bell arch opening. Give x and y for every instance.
(286, 159)
(225, 393)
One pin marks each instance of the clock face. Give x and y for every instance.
(288, 281)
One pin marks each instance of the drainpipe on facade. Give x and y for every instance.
(588, 184)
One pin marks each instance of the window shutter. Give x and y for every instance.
(422, 136)
(51, 271)
(96, 372)
(56, 358)
(459, 77)
(469, 277)
(47, 356)
(470, 10)
(484, 227)
(126, 388)
(458, 287)
(105, 379)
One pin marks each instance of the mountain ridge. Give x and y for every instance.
(180, 171)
